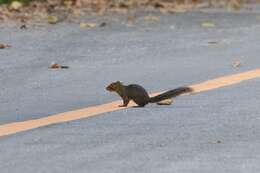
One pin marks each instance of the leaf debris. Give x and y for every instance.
(87, 25)
(208, 25)
(54, 65)
(236, 64)
(152, 18)
(53, 19)
(213, 42)
(3, 46)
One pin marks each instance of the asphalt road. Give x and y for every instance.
(215, 131)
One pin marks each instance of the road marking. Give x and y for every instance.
(226, 81)
(15, 127)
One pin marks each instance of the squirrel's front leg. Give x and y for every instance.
(125, 101)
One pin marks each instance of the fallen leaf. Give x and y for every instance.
(131, 19)
(236, 64)
(208, 24)
(54, 65)
(165, 102)
(152, 18)
(147, 29)
(234, 5)
(3, 46)
(215, 142)
(219, 141)
(87, 25)
(68, 3)
(103, 24)
(53, 19)
(16, 5)
(212, 42)
(23, 26)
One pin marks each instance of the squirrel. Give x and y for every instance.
(140, 96)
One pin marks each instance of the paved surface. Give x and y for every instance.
(215, 131)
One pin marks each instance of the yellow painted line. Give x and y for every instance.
(15, 127)
(226, 81)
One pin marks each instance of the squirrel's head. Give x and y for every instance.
(115, 86)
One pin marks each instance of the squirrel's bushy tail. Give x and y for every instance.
(170, 94)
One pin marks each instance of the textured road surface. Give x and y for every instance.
(215, 131)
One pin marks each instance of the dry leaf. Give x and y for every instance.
(234, 5)
(152, 18)
(103, 24)
(219, 141)
(212, 42)
(16, 5)
(165, 102)
(131, 19)
(208, 24)
(68, 3)
(53, 19)
(54, 65)
(216, 141)
(87, 25)
(236, 64)
(23, 26)
(3, 46)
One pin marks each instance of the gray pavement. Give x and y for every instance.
(214, 131)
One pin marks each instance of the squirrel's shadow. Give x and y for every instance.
(161, 106)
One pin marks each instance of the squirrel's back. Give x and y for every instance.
(138, 94)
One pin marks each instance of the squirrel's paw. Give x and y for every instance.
(122, 106)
